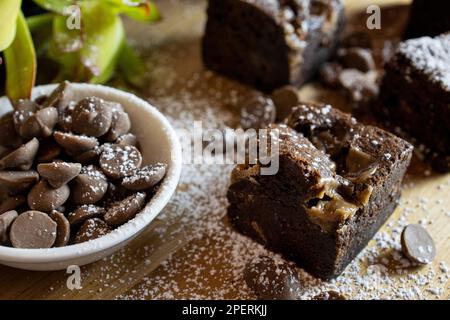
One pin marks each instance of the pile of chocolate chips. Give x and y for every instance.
(354, 72)
(71, 171)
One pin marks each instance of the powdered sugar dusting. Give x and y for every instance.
(430, 56)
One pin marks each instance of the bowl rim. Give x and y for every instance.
(134, 226)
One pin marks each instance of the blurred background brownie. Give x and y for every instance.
(415, 96)
(338, 182)
(271, 43)
(428, 18)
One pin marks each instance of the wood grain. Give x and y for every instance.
(137, 266)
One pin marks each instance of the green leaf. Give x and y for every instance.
(131, 66)
(56, 6)
(20, 58)
(41, 27)
(9, 9)
(139, 10)
(66, 40)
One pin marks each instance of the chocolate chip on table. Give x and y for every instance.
(85, 212)
(21, 158)
(257, 112)
(92, 116)
(33, 230)
(285, 98)
(9, 137)
(125, 210)
(12, 202)
(417, 244)
(329, 295)
(128, 139)
(89, 186)
(74, 144)
(6, 219)
(359, 86)
(357, 58)
(59, 173)
(62, 228)
(40, 124)
(145, 178)
(270, 280)
(92, 229)
(17, 182)
(329, 74)
(119, 161)
(120, 123)
(44, 197)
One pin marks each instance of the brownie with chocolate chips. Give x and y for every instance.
(271, 43)
(415, 96)
(338, 182)
(428, 18)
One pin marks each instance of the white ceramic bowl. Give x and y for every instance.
(159, 142)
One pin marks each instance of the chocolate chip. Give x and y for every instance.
(417, 244)
(75, 144)
(329, 74)
(285, 98)
(6, 219)
(23, 110)
(12, 202)
(89, 186)
(145, 178)
(120, 124)
(257, 112)
(125, 210)
(59, 98)
(9, 138)
(49, 150)
(18, 181)
(357, 58)
(92, 117)
(40, 124)
(270, 280)
(21, 158)
(59, 173)
(62, 228)
(43, 197)
(92, 229)
(329, 295)
(359, 86)
(85, 212)
(119, 161)
(33, 230)
(89, 157)
(128, 139)
(113, 194)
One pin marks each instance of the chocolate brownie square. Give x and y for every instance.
(271, 43)
(415, 96)
(428, 18)
(338, 182)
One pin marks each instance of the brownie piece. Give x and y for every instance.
(415, 96)
(338, 182)
(271, 43)
(428, 18)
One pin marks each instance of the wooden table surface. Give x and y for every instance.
(174, 258)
